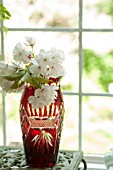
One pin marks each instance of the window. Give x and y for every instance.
(83, 30)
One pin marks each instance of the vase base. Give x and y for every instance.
(49, 165)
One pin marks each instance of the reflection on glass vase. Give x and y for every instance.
(41, 129)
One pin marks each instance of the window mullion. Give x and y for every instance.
(3, 95)
(80, 75)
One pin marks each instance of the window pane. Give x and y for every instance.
(1, 122)
(69, 139)
(68, 42)
(97, 62)
(13, 129)
(97, 124)
(97, 13)
(42, 13)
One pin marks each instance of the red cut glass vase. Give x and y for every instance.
(41, 130)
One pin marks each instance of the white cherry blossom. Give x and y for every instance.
(3, 67)
(6, 69)
(49, 94)
(43, 58)
(44, 96)
(36, 100)
(20, 54)
(37, 70)
(18, 50)
(10, 70)
(57, 56)
(18, 65)
(50, 62)
(26, 57)
(30, 41)
(56, 70)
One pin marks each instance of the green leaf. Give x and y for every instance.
(16, 76)
(7, 12)
(16, 85)
(0, 57)
(27, 77)
(20, 83)
(5, 29)
(41, 79)
(4, 15)
(35, 83)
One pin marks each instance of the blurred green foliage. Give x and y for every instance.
(102, 65)
(68, 86)
(104, 134)
(0, 57)
(4, 15)
(105, 6)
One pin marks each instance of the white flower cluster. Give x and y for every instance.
(48, 63)
(5, 72)
(43, 96)
(35, 70)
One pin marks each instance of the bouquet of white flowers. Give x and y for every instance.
(35, 70)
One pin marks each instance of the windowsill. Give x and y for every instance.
(96, 166)
(95, 162)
